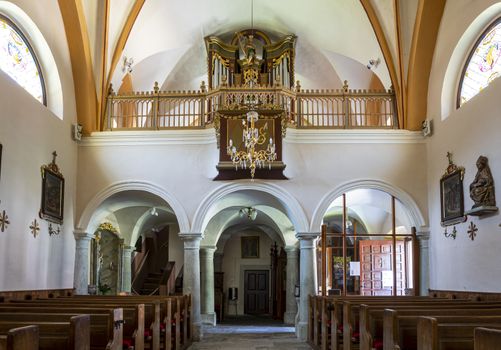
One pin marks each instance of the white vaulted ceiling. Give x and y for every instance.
(335, 40)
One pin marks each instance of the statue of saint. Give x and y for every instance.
(482, 187)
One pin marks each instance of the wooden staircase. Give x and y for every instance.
(151, 283)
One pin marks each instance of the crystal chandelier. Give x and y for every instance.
(250, 157)
(249, 212)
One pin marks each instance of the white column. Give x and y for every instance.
(191, 277)
(207, 284)
(290, 285)
(307, 278)
(81, 275)
(423, 237)
(126, 268)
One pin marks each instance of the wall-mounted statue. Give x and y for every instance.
(482, 189)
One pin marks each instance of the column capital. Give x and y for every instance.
(423, 234)
(307, 235)
(208, 249)
(82, 235)
(191, 240)
(291, 249)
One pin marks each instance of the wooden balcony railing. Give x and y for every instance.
(308, 109)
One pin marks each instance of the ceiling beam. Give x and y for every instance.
(424, 38)
(385, 48)
(81, 63)
(104, 60)
(119, 47)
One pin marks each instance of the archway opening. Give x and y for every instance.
(135, 246)
(247, 233)
(368, 246)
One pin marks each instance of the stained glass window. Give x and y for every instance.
(18, 60)
(483, 64)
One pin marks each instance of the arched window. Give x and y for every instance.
(483, 64)
(18, 60)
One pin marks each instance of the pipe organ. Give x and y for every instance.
(250, 58)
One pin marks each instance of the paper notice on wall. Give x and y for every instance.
(387, 279)
(354, 268)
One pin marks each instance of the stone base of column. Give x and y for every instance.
(197, 331)
(209, 318)
(290, 317)
(302, 331)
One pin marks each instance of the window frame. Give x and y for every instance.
(487, 29)
(18, 30)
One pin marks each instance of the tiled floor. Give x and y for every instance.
(251, 333)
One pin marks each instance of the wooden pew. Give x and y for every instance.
(71, 335)
(400, 326)
(178, 336)
(105, 324)
(133, 316)
(487, 338)
(351, 314)
(22, 338)
(433, 335)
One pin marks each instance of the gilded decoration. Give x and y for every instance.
(451, 194)
(106, 226)
(34, 228)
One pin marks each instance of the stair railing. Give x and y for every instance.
(141, 272)
(168, 281)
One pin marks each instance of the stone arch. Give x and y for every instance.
(415, 215)
(296, 212)
(134, 185)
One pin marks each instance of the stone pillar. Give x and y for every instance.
(423, 237)
(207, 284)
(307, 278)
(126, 268)
(81, 275)
(290, 285)
(191, 278)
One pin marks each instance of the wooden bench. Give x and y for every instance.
(433, 335)
(105, 323)
(486, 338)
(72, 335)
(22, 338)
(177, 336)
(400, 326)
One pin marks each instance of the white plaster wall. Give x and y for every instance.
(468, 132)
(186, 170)
(29, 133)
(176, 247)
(234, 266)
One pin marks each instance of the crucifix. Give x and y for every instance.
(54, 155)
(449, 157)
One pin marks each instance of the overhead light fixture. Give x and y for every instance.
(373, 63)
(154, 211)
(248, 212)
(251, 135)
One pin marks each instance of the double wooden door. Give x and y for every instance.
(256, 292)
(376, 260)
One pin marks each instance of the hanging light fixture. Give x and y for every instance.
(252, 136)
(248, 212)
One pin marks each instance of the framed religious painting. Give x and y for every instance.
(250, 247)
(451, 196)
(52, 206)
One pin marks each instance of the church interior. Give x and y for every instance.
(249, 158)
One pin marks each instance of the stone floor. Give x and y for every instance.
(248, 332)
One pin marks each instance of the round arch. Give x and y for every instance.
(100, 197)
(415, 214)
(296, 212)
(54, 91)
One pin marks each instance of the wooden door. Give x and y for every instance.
(376, 265)
(256, 292)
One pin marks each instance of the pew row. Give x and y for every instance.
(22, 338)
(486, 338)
